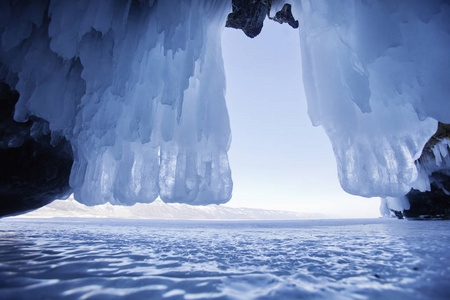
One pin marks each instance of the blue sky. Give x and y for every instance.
(278, 159)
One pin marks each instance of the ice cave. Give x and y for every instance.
(123, 101)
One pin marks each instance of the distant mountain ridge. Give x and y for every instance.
(161, 210)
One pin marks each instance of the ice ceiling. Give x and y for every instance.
(136, 89)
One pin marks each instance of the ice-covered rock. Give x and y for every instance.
(433, 201)
(137, 87)
(34, 163)
(376, 79)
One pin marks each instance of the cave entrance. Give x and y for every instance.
(279, 160)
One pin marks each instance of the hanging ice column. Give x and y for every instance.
(137, 87)
(376, 75)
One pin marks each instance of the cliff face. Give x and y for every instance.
(435, 161)
(34, 167)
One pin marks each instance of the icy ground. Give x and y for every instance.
(323, 259)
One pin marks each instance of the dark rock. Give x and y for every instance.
(285, 16)
(249, 15)
(434, 204)
(397, 213)
(34, 170)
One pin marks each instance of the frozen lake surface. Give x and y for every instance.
(322, 259)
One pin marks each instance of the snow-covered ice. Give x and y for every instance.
(132, 259)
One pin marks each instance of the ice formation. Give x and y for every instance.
(376, 78)
(137, 88)
(434, 172)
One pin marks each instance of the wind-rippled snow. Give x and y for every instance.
(315, 259)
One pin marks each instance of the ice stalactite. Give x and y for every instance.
(376, 78)
(137, 87)
(432, 199)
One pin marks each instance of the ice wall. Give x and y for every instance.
(137, 87)
(376, 76)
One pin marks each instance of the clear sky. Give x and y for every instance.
(278, 159)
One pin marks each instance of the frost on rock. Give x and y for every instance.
(432, 200)
(434, 170)
(376, 79)
(137, 87)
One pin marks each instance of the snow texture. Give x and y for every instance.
(148, 259)
(136, 87)
(159, 210)
(376, 79)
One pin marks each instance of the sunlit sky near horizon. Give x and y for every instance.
(278, 159)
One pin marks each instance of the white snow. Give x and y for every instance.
(159, 210)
